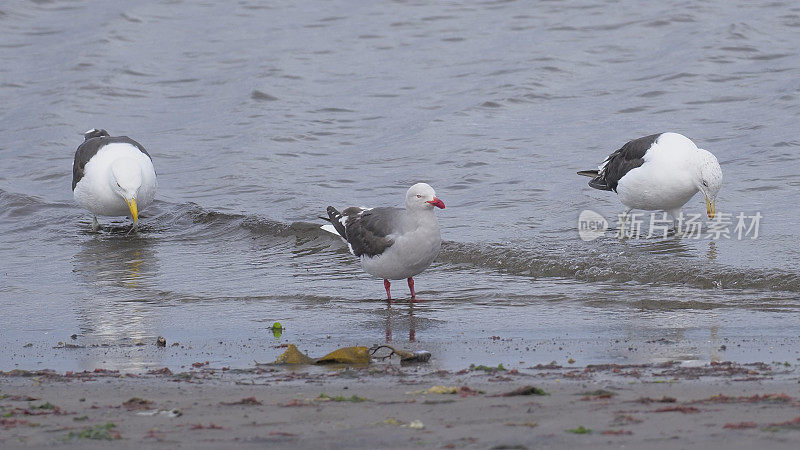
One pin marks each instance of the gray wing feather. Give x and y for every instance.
(368, 231)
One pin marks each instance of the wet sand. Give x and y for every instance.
(392, 406)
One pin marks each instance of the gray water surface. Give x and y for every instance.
(259, 115)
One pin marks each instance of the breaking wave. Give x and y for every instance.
(189, 221)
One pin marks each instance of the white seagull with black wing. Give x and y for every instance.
(392, 243)
(660, 172)
(112, 176)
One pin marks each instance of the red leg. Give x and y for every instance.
(386, 284)
(411, 288)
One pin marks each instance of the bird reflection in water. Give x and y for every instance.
(132, 279)
(117, 260)
(412, 323)
(117, 272)
(714, 348)
(712, 250)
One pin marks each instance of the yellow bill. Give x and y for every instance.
(711, 209)
(134, 210)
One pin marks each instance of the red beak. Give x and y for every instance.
(437, 203)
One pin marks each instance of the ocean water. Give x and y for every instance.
(259, 115)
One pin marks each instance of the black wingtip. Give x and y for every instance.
(93, 133)
(335, 219)
(598, 183)
(334, 216)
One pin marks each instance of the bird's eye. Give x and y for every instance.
(419, 196)
(705, 184)
(119, 185)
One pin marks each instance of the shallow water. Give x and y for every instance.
(258, 117)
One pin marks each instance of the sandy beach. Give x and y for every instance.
(722, 405)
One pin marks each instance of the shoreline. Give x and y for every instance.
(383, 405)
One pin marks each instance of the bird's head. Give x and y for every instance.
(126, 179)
(422, 196)
(708, 180)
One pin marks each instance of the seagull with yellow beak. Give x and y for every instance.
(660, 172)
(112, 176)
